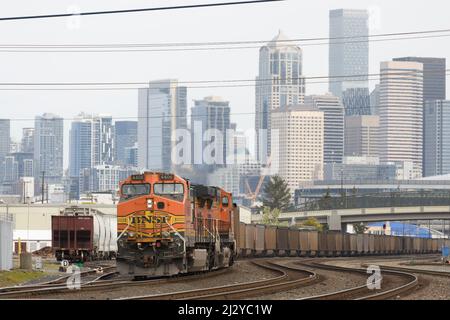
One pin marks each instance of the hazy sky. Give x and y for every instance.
(297, 19)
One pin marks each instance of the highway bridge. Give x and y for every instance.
(335, 218)
(390, 206)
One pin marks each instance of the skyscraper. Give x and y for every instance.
(375, 100)
(27, 143)
(301, 136)
(162, 109)
(362, 136)
(349, 58)
(211, 113)
(91, 143)
(5, 141)
(279, 83)
(401, 114)
(49, 147)
(436, 138)
(333, 110)
(434, 76)
(125, 137)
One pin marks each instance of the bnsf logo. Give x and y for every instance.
(148, 219)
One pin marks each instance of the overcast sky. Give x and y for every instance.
(297, 19)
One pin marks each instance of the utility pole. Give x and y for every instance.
(43, 186)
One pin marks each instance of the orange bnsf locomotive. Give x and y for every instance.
(167, 226)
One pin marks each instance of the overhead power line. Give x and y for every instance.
(224, 43)
(116, 118)
(92, 13)
(224, 83)
(107, 48)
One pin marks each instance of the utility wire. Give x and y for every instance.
(24, 49)
(91, 13)
(257, 82)
(223, 43)
(116, 118)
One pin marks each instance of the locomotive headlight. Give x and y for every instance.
(150, 203)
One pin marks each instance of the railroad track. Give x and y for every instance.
(362, 292)
(413, 270)
(86, 279)
(284, 281)
(97, 284)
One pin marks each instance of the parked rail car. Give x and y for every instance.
(313, 240)
(270, 240)
(259, 240)
(371, 244)
(332, 243)
(304, 243)
(353, 244)
(250, 230)
(322, 244)
(346, 251)
(294, 242)
(83, 234)
(282, 241)
(241, 240)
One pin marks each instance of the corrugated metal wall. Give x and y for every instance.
(6, 242)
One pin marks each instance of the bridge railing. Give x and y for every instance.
(378, 200)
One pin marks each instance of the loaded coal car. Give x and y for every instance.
(84, 234)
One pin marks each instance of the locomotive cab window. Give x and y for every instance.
(174, 191)
(225, 201)
(134, 190)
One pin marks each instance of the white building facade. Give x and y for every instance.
(401, 114)
(279, 83)
(301, 140)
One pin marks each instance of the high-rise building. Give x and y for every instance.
(24, 163)
(125, 137)
(91, 142)
(375, 100)
(49, 148)
(436, 144)
(103, 178)
(362, 136)
(434, 76)
(211, 113)
(162, 109)
(349, 58)
(356, 101)
(301, 140)
(333, 149)
(279, 83)
(5, 140)
(401, 114)
(27, 143)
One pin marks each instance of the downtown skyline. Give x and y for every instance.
(150, 65)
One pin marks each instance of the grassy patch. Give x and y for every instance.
(10, 278)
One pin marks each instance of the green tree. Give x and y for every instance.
(270, 217)
(359, 228)
(276, 194)
(312, 222)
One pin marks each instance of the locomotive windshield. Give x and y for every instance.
(134, 190)
(173, 191)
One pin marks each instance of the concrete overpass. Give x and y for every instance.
(335, 218)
